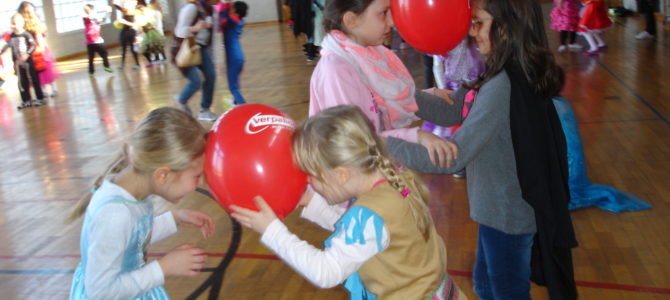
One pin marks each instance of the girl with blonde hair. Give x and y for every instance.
(164, 158)
(384, 244)
(45, 63)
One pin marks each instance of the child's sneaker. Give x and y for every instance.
(591, 52)
(207, 115)
(228, 104)
(37, 102)
(562, 48)
(108, 70)
(136, 67)
(120, 67)
(459, 174)
(24, 105)
(644, 35)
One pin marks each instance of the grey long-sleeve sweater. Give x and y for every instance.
(485, 150)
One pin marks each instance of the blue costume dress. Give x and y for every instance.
(116, 232)
(582, 192)
(234, 55)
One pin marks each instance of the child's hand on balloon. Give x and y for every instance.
(256, 220)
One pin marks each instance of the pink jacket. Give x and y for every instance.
(335, 82)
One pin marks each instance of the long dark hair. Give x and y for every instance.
(335, 10)
(517, 36)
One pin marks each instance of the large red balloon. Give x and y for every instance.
(248, 153)
(432, 26)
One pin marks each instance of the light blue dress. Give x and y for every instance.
(115, 276)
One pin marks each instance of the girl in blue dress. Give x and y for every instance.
(163, 158)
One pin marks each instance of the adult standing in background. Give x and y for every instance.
(195, 21)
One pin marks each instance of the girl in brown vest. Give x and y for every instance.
(384, 243)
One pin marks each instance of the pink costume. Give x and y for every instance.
(51, 73)
(565, 18)
(372, 78)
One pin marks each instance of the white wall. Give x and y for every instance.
(63, 44)
(261, 11)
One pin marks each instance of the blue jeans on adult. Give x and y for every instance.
(194, 81)
(502, 266)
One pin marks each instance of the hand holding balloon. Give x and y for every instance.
(256, 220)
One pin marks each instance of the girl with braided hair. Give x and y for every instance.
(384, 243)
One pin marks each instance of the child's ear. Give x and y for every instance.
(342, 175)
(349, 20)
(161, 175)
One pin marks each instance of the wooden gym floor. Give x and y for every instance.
(50, 154)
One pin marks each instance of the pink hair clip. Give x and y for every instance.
(405, 192)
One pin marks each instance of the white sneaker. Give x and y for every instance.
(562, 48)
(207, 115)
(575, 46)
(182, 107)
(643, 35)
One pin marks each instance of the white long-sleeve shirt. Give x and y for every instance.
(346, 254)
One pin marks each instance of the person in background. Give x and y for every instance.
(195, 21)
(234, 14)
(23, 45)
(44, 61)
(94, 42)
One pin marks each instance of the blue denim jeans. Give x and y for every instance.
(194, 81)
(502, 265)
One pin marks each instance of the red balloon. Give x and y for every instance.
(249, 153)
(432, 26)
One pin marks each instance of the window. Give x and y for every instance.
(10, 7)
(68, 13)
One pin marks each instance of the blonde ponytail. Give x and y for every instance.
(405, 183)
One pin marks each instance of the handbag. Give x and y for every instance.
(188, 54)
(38, 60)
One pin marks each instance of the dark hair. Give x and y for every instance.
(240, 8)
(335, 10)
(517, 36)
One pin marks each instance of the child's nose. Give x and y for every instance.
(389, 19)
